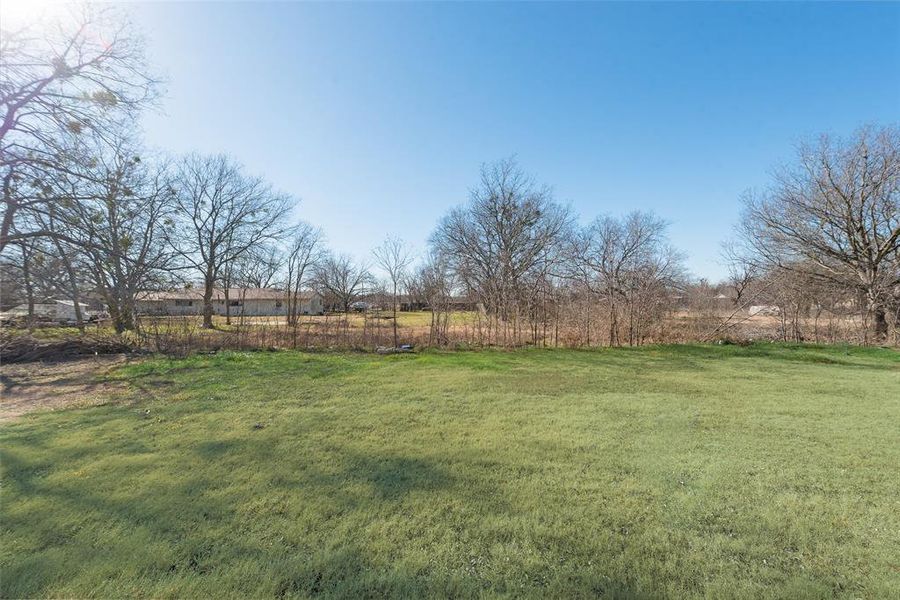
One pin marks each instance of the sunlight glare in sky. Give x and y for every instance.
(17, 13)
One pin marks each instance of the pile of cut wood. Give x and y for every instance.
(26, 348)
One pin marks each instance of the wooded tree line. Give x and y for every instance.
(90, 213)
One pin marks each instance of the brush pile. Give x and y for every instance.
(27, 348)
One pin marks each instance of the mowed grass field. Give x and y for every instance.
(664, 472)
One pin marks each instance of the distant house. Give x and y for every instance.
(62, 311)
(767, 310)
(241, 301)
(408, 303)
(462, 303)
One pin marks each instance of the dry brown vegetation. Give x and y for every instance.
(368, 332)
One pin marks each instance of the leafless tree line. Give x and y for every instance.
(90, 213)
(80, 190)
(522, 257)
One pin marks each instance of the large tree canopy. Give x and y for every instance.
(834, 215)
(508, 235)
(59, 79)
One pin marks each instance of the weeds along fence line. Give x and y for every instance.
(184, 335)
(472, 329)
(577, 327)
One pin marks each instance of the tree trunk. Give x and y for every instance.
(207, 302)
(881, 324)
(431, 330)
(631, 321)
(613, 325)
(115, 316)
(394, 300)
(125, 321)
(73, 281)
(227, 304)
(29, 289)
(70, 272)
(243, 307)
(10, 206)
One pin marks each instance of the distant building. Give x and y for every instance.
(241, 301)
(62, 311)
(407, 303)
(767, 310)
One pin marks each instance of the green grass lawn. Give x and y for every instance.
(729, 472)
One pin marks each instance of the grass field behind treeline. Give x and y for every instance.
(685, 471)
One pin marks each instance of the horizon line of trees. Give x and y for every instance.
(88, 212)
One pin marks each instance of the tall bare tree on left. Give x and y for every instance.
(116, 202)
(221, 215)
(74, 75)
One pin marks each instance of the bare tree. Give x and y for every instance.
(222, 214)
(27, 253)
(12, 281)
(71, 78)
(835, 216)
(501, 243)
(433, 284)
(393, 257)
(742, 274)
(341, 278)
(303, 255)
(260, 267)
(628, 264)
(256, 268)
(746, 284)
(67, 254)
(125, 203)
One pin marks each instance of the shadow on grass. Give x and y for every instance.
(395, 476)
(184, 526)
(195, 513)
(110, 497)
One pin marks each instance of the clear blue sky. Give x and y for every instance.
(377, 116)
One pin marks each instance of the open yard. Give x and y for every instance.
(691, 471)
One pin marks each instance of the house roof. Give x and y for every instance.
(44, 308)
(219, 294)
(40, 308)
(71, 303)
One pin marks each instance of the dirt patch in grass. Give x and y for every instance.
(29, 387)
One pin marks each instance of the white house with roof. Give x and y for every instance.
(240, 301)
(62, 311)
